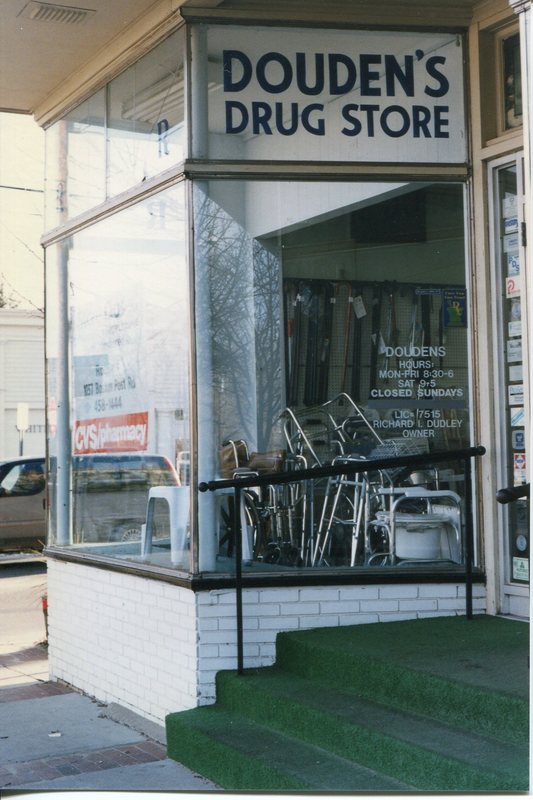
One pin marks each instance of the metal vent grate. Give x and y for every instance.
(52, 12)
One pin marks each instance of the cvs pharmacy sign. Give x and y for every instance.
(120, 434)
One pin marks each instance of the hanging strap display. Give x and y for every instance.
(376, 333)
(329, 296)
(441, 331)
(295, 338)
(355, 388)
(426, 305)
(347, 331)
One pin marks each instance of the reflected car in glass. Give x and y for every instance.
(22, 504)
(110, 494)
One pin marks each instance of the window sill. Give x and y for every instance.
(423, 573)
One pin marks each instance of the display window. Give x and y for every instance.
(332, 321)
(129, 131)
(326, 320)
(125, 285)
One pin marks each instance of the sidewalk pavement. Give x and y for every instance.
(53, 737)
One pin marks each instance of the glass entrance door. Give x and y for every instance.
(511, 365)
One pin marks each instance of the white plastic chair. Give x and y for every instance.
(178, 501)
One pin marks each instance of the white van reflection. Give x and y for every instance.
(109, 498)
(22, 504)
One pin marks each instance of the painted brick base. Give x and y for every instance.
(155, 648)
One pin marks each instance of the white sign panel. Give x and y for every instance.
(335, 95)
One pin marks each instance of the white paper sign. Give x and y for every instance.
(509, 206)
(516, 394)
(521, 569)
(512, 286)
(511, 243)
(517, 417)
(513, 264)
(514, 350)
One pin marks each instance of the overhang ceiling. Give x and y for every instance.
(42, 44)
(37, 54)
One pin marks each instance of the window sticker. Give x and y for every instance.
(519, 468)
(516, 394)
(521, 569)
(518, 417)
(514, 350)
(511, 243)
(518, 439)
(509, 206)
(454, 308)
(513, 264)
(512, 286)
(510, 225)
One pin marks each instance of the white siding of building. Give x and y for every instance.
(21, 380)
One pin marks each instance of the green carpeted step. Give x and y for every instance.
(450, 668)
(240, 755)
(415, 749)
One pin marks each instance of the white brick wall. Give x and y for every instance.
(266, 612)
(122, 638)
(156, 648)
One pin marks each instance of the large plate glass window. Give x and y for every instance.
(123, 284)
(332, 320)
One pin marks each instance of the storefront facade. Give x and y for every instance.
(277, 241)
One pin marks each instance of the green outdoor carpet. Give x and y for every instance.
(425, 705)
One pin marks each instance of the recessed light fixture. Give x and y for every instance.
(52, 12)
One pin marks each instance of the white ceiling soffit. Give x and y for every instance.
(43, 44)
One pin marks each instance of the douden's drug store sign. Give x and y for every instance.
(336, 95)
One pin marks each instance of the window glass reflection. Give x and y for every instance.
(75, 161)
(332, 323)
(128, 305)
(145, 128)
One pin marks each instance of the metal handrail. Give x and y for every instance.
(344, 466)
(512, 493)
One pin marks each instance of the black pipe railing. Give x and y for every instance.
(512, 493)
(346, 467)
